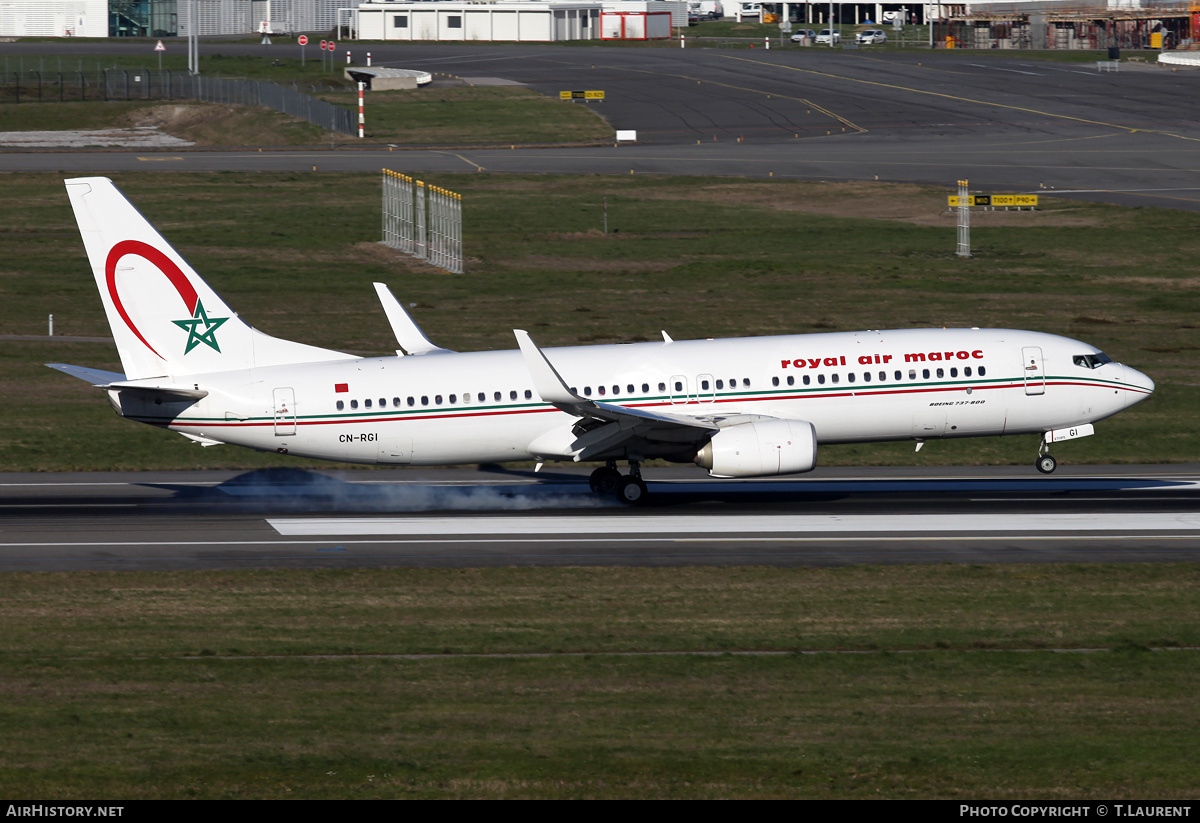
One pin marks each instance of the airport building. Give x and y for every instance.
(1071, 24)
(520, 20)
(167, 18)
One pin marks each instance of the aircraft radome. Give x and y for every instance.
(742, 407)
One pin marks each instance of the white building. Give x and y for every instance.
(53, 18)
(519, 20)
(247, 16)
(515, 21)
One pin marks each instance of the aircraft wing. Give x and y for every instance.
(612, 425)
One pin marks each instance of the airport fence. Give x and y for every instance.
(145, 84)
(423, 221)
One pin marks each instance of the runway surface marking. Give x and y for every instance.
(958, 98)
(733, 524)
(857, 128)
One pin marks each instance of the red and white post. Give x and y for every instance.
(362, 122)
(368, 59)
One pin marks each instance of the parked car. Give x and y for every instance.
(870, 37)
(800, 34)
(824, 37)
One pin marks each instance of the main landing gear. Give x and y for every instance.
(630, 488)
(1045, 462)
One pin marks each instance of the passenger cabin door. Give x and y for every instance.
(1034, 370)
(285, 412)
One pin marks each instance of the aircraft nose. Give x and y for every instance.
(1141, 385)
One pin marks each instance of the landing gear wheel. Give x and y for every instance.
(632, 491)
(1046, 464)
(605, 480)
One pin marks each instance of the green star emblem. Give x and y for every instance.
(193, 328)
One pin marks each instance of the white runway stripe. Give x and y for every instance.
(733, 524)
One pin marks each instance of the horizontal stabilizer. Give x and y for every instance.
(183, 392)
(97, 377)
(408, 334)
(115, 380)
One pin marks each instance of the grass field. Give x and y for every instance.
(699, 257)
(935, 681)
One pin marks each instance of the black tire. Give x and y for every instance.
(632, 491)
(605, 480)
(1046, 464)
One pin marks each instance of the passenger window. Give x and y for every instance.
(954, 372)
(587, 391)
(412, 401)
(807, 379)
(662, 386)
(600, 390)
(982, 371)
(437, 400)
(424, 400)
(496, 397)
(924, 374)
(396, 402)
(454, 398)
(821, 379)
(528, 394)
(512, 395)
(898, 374)
(883, 376)
(866, 377)
(678, 386)
(941, 372)
(629, 389)
(354, 404)
(720, 384)
(340, 405)
(482, 397)
(967, 371)
(367, 403)
(774, 382)
(833, 378)
(645, 388)
(791, 380)
(850, 377)
(912, 374)
(746, 382)
(616, 389)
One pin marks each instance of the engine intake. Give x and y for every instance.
(761, 448)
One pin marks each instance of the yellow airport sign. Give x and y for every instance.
(1007, 200)
(581, 95)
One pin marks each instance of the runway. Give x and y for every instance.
(493, 517)
(1005, 124)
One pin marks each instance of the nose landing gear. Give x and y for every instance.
(1045, 462)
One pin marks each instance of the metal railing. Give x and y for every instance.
(423, 220)
(144, 84)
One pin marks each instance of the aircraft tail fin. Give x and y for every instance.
(165, 319)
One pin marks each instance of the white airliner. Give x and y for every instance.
(738, 407)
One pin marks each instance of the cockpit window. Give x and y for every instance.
(1091, 361)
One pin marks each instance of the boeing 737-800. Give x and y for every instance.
(742, 407)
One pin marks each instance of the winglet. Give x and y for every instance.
(408, 334)
(546, 380)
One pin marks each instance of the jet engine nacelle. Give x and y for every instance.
(764, 447)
